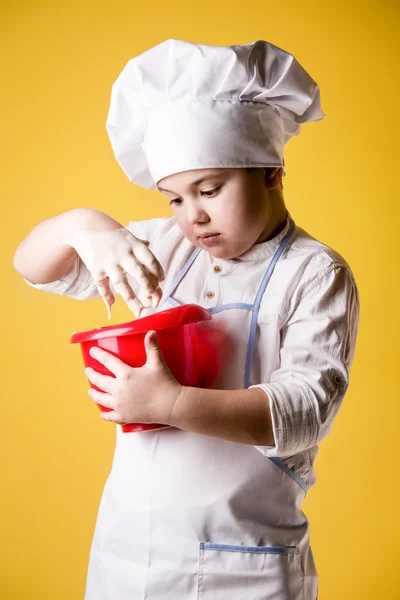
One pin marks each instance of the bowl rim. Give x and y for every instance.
(163, 319)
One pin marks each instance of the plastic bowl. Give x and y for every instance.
(190, 353)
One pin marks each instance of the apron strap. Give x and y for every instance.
(180, 276)
(257, 302)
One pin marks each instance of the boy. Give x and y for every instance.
(210, 507)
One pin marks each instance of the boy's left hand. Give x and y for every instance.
(136, 395)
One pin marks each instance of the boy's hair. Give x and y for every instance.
(268, 171)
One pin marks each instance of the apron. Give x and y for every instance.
(186, 516)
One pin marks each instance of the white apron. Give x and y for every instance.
(186, 516)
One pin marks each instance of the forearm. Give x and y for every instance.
(44, 254)
(236, 415)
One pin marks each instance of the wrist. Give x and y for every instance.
(79, 220)
(168, 405)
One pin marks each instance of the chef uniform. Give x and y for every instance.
(186, 516)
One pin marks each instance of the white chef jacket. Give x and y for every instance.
(307, 324)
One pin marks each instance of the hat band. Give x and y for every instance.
(205, 133)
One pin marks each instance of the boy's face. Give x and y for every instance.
(237, 205)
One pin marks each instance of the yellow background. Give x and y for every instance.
(59, 61)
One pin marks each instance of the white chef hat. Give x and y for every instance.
(181, 106)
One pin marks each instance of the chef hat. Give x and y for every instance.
(181, 106)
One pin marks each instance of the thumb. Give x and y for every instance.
(153, 351)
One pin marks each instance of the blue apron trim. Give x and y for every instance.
(181, 275)
(251, 549)
(217, 309)
(279, 463)
(255, 308)
(257, 303)
(171, 301)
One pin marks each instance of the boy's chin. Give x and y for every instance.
(222, 254)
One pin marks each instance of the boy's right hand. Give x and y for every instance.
(112, 254)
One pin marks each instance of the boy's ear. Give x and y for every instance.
(273, 177)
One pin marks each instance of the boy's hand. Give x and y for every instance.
(136, 395)
(112, 254)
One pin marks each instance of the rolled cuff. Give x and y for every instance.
(77, 283)
(293, 418)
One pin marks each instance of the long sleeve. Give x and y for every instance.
(317, 349)
(78, 283)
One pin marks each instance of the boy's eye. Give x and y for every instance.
(212, 192)
(177, 201)
(207, 193)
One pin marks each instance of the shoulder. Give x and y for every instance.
(316, 259)
(313, 271)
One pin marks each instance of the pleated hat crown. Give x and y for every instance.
(181, 106)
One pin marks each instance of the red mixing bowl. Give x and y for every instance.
(191, 354)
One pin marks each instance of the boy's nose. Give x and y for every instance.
(196, 214)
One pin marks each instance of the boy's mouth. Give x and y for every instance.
(205, 235)
(209, 238)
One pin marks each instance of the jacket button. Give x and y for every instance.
(210, 294)
(217, 269)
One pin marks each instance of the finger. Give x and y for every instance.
(136, 307)
(133, 267)
(147, 258)
(153, 350)
(105, 400)
(146, 280)
(124, 289)
(121, 285)
(103, 382)
(111, 416)
(152, 347)
(154, 298)
(111, 362)
(102, 283)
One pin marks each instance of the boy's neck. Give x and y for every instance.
(276, 221)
